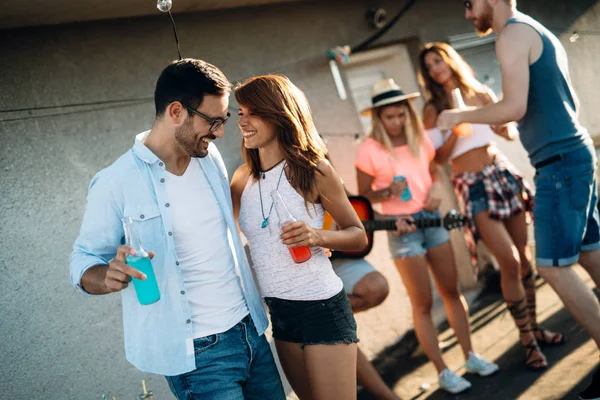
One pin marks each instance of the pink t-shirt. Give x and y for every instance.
(375, 160)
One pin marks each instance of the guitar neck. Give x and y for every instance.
(390, 225)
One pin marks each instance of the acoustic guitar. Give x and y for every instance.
(365, 212)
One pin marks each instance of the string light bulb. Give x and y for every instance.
(164, 5)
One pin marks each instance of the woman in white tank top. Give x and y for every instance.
(494, 196)
(313, 325)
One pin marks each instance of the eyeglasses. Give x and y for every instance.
(468, 4)
(215, 123)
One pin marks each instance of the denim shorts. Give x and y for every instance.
(351, 270)
(417, 243)
(313, 321)
(565, 214)
(478, 196)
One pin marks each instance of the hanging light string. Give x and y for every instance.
(165, 6)
(175, 34)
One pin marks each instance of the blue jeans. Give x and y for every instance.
(565, 216)
(233, 365)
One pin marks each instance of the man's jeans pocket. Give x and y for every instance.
(205, 343)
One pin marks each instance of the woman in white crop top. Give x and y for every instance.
(494, 196)
(313, 325)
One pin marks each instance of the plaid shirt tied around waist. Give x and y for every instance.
(504, 199)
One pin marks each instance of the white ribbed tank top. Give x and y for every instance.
(277, 274)
(482, 136)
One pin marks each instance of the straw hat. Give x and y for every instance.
(386, 92)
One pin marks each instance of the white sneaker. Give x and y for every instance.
(453, 383)
(478, 365)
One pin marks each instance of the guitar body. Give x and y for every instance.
(365, 213)
(363, 209)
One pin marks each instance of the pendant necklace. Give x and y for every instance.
(266, 219)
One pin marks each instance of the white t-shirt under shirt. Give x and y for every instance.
(201, 243)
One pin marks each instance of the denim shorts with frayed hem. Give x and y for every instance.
(565, 214)
(309, 322)
(417, 243)
(351, 271)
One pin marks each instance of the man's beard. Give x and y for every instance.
(192, 144)
(484, 26)
(484, 30)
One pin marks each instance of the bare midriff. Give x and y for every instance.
(474, 160)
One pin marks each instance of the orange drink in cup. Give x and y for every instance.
(464, 129)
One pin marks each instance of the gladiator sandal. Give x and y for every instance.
(543, 336)
(518, 310)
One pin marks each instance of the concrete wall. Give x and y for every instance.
(58, 344)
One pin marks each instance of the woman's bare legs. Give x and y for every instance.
(415, 276)
(445, 275)
(331, 370)
(497, 239)
(319, 372)
(291, 357)
(517, 229)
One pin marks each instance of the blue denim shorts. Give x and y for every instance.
(309, 322)
(417, 243)
(478, 196)
(351, 270)
(565, 214)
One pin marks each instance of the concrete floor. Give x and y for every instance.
(405, 367)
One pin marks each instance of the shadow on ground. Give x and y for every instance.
(511, 381)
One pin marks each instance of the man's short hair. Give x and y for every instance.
(187, 81)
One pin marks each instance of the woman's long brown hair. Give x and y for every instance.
(276, 99)
(463, 73)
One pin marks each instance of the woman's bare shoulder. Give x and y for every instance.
(240, 179)
(430, 115)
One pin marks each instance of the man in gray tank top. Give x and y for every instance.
(538, 94)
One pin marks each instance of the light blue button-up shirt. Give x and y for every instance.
(159, 336)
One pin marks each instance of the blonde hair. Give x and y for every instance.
(413, 128)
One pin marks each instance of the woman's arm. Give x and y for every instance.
(365, 180)
(350, 234)
(434, 196)
(237, 185)
(442, 154)
(507, 131)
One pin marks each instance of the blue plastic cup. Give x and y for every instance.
(405, 195)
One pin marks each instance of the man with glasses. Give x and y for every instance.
(206, 333)
(215, 123)
(537, 92)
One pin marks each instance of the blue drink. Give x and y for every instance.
(406, 195)
(147, 291)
